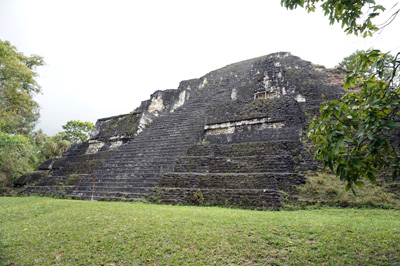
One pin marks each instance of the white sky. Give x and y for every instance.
(105, 57)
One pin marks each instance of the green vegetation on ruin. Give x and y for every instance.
(327, 190)
(44, 231)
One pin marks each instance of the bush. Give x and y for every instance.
(327, 190)
(17, 157)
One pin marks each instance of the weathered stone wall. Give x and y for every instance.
(116, 127)
(261, 199)
(242, 164)
(232, 180)
(233, 175)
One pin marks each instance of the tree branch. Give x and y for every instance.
(388, 21)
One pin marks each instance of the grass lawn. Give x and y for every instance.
(45, 231)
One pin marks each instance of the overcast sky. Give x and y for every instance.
(105, 57)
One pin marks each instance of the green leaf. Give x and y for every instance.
(392, 124)
(371, 177)
(354, 192)
(330, 164)
(338, 145)
(359, 184)
(395, 175)
(348, 140)
(352, 82)
(370, 136)
(339, 169)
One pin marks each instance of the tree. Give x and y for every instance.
(348, 63)
(77, 131)
(21, 154)
(17, 157)
(346, 12)
(50, 147)
(356, 135)
(18, 111)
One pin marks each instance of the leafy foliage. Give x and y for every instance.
(348, 63)
(21, 149)
(348, 13)
(21, 154)
(54, 146)
(356, 136)
(77, 131)
(17, 157)
(18, 110)
(323, 190)
(49, 147)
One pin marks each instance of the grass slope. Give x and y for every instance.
(44, 231)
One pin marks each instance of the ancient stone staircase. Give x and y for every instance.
(66, 172)
(246, 174)
(137, 166)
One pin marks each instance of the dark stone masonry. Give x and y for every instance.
(232, 137)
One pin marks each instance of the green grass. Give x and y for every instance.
(33, 231)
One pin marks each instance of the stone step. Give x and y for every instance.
(123, 172)
(149, 159)
(110, 196)
(143, 158)
(43, 189)
(120, 184)
(157, 145)
(158, 159)
(169, 135)
(239, 157)
(254, 148)
(119, 179)
(115, 187)
(218, 165)
(134, 166)
(256, 198)
(141, 189)
(129, 161)
(152, 153)
(269, 180)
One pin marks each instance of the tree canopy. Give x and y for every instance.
(17, 157)
(347, 13)
(77, 131)
(20, 154)
(21, 148)
(358, 136)
(349, 62)
(18, 111)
